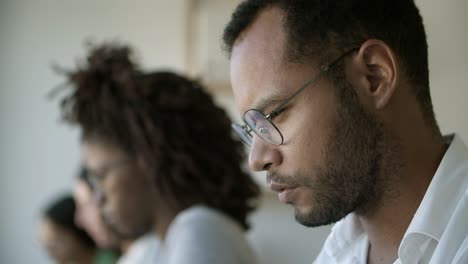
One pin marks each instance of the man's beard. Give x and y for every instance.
(359, 168)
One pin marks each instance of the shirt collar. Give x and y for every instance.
(436, 208)
(348, 236)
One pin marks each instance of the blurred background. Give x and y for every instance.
(39, 156)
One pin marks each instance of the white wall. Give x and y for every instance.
(446, 23)
(38, 155)
(278, 239)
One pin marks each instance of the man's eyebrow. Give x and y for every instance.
(270, 101)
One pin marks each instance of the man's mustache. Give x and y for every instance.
(281, 179)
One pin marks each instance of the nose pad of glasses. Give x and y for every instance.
(242, 132)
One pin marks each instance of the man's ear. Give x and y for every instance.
(375, 73)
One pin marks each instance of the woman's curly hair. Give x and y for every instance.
(167, 121)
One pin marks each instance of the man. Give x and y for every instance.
(336, 104)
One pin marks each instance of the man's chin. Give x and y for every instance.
(310, 218)
(302, 215)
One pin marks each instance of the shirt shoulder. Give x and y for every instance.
(144, 250)
(462, 253)
(204, 235)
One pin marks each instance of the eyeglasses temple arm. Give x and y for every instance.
(322, 71)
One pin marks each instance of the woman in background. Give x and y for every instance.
(162, 158)
(140, 250)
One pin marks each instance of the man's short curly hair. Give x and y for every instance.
(321, 30)
(167, 121)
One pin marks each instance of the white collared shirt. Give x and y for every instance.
(202, 235)
(438, 232)
(144, 250)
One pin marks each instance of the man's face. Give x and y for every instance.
(88, 216)
(125, 194)
(329, 163)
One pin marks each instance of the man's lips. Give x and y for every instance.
(285, 192)
(276, 187)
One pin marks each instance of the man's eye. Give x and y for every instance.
(277, 113)
(262, 130)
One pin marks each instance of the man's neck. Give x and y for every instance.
(386, 227)
(387, 224)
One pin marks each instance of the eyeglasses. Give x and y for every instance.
(96, 178)
(262, 125)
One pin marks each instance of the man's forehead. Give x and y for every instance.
(255, 61)
(254, 88)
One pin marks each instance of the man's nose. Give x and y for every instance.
(263, 155)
